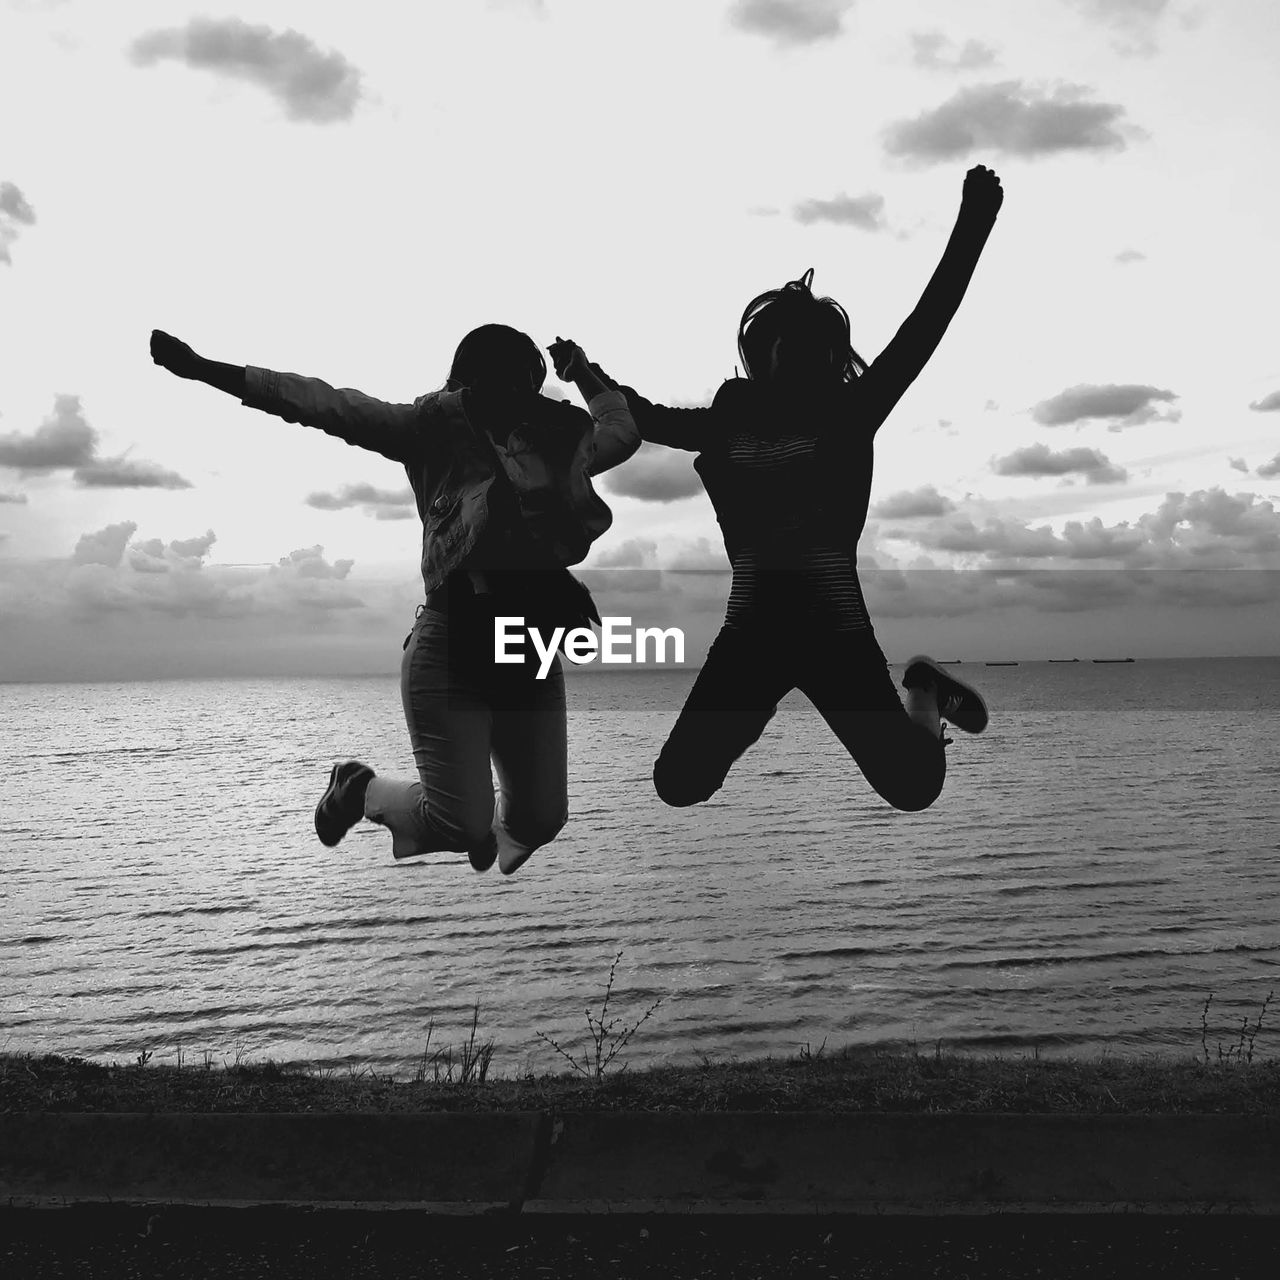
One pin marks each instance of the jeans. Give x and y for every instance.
(465, 712)
(748, 670)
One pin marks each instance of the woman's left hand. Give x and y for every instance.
(982, 191)
(569, 359)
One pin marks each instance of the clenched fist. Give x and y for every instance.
(170, 353)
(982, 191)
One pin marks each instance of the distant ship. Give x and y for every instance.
(1071, 659)
(1111, 659)
(1003, 664)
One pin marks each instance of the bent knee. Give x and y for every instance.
(913, 801)
(681, 787)
(538, 830)
(914, 794)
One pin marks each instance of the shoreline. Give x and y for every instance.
(840, 1082)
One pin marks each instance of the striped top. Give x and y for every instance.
(798, 574)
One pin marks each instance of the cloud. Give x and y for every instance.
(155, 556)
(14, 205)
(995, 538)
(309, 562)
(1269, 403)
(910, 504)
(311, 85)
(655, 474)
(790, 22)
(110, 570)
(1113, 607)
(1238, 464)
(1214, 528)
(194, 548)
(1269, 469)
(634, 553)
(1010, 118)
(106, 546)
(15, 213)
(698, 556)
(937, 52)
(866, 211)
(1040, 460)
(1120, 405)
(125, 473)
(17, 498)
(156, 606)
(150, 621)
(1130, 255)
(1207, 529)
(382, 504)
(1122, 11)
(65, 441)
(1135, 21)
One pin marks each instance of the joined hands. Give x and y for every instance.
(569, 359)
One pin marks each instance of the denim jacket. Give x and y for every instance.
(451, 466)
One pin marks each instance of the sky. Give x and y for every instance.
(1090, 464)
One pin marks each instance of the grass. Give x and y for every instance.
(1227, 1078)
(846, 1081)
(607, 1042)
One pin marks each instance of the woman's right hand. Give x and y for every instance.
(172, 354)
(569, 359)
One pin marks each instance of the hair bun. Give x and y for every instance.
(803, 284)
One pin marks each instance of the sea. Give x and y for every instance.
(1103, 864)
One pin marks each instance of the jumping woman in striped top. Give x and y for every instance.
(786, 456)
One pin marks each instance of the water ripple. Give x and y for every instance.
(1090, 875)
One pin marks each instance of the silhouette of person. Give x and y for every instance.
(502, 480)
(786, 457)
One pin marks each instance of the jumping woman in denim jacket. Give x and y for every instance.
(502, 480)
(786, 457)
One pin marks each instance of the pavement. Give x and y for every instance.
(539, 1164)
(632, 1195)
(96, 1241)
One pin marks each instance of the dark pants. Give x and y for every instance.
(843, 673)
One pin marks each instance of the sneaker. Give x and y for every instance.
(342, 804)
(958, 702)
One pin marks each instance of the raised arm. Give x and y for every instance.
(898, 365)
(350, 415)
(616, 436)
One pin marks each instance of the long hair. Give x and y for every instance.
(794, 308)
(496, 355)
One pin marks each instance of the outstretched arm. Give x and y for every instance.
(351, 415)
(172, 354)
(657, 423)
(898, 365)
